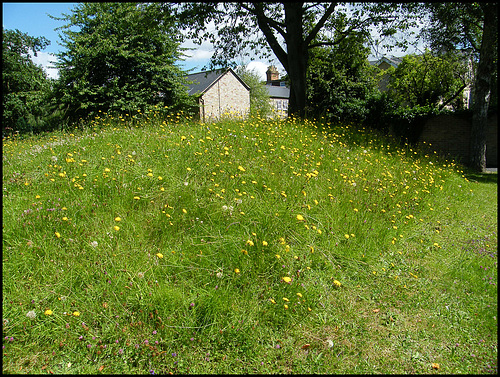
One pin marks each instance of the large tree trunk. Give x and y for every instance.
(482, 88)
(297, 54)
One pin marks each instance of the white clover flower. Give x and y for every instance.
(31, 314)
(94, 244)
(54, 158)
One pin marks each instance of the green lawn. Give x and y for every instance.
(141, 246)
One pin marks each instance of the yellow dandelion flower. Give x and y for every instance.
(300, 217)
(37, 197)
(346, 236)
(309, 309)
(299, 294)
(159, 255)
(117, 219)
(48, 312)
(264, 243)
(136, 198)
(286, 279)
(286, 306)
(184, 210)
(241, 168)
(76, 314)
(337, 283)
(285, 299)
(278, 256)
(117, 228)
(236, 271)
(274, 302)
(249, 243)
(65, 218)
(58, 235)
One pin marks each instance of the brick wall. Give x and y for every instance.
(227, 97)
(450, 135)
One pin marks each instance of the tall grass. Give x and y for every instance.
(145, 245)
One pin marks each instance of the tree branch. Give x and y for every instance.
(320, 24)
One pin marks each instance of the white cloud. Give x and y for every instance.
(44, 59)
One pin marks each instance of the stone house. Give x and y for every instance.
(279, 94)
(220, 93)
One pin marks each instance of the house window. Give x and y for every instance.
(278, 104)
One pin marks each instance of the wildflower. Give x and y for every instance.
(117, 228)
(219, 274)
(300, 217)
(299, 294)
(117, 219)
(76, 314)
(286, 279)
(274, 302)
(264, 243)
(48, 312)
(159, 255)
(136, 198)
(346, 236)
(184, 210)
(58, 235)
(236, 271)
(249, 243)
(65, 218)
(241, 168)
(140, 275)
(31, 314)
(337, 283)
(285, 299)
(286, 306)
(94, 244)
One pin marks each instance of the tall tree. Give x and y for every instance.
(118, 57)
(470, 25)
(288, 29)
(24, 83)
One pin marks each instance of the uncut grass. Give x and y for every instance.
(212, 217)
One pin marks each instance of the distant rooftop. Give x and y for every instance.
(391, 60)
(278, 91)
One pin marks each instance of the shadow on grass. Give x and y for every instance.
(488, 177)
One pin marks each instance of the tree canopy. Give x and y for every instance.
(118, 57)
(429, 79)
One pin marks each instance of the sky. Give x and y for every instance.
(33, 19)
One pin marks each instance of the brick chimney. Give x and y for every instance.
(272, 74)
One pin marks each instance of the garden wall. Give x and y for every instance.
(449, 135)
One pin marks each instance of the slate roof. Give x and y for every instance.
(392, 60)
(203, 81)
(278, 91)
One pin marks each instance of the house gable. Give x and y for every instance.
(221, 93)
